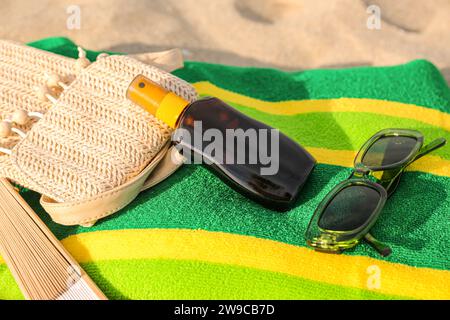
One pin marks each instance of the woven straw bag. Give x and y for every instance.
(75, 138)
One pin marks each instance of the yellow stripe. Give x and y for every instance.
(217, 247)
(384, 107)
(431, 164)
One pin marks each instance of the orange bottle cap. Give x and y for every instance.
(165, 105)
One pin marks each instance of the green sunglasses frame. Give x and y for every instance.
(332, 241)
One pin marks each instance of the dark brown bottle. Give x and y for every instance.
(251, 157)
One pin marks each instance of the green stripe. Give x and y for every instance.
(414, 222)
(181, 279)
(64, 47)
(418, 82)
(175, 279)
(342, 130)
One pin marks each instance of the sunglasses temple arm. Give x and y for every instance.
(436, 144)
(382, 249)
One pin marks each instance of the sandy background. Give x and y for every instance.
(286, 34)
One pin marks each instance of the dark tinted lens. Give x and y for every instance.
(350, 208)
(389, 150)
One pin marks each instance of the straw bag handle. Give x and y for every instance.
(87, 212)
(169, 60)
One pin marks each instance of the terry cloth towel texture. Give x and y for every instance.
(193, 238)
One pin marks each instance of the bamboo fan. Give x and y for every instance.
(43, 269)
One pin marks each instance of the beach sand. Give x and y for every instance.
(286, 34)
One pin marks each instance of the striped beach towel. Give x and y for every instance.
(192, 237)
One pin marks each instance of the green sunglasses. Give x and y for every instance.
(349, 211)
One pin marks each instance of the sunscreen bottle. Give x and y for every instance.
(258, 161)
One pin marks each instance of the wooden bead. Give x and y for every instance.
(5, 129)
(83, 62)
(20, 117)
(42, 93)
(53, 80)
(80, 64)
